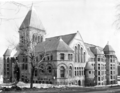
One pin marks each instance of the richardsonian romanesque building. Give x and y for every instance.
(70, 60)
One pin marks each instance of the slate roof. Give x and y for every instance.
(96, 50)
(7, 52)
(89, 66)
(108, 48)
(32, 20)
(93, 49)
(66, 38)
(56, 44)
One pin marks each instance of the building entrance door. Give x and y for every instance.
(79, 83)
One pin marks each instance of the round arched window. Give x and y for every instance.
(41, 68)
(49, 69)
(70, 71)
(62, 72)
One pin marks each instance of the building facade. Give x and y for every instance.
(63, 60)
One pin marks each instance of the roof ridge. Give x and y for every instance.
(94, 45)
(63, 43)
(32, 20)
(60, 35)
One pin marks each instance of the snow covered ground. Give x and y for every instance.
(1, 79)
(27, 85)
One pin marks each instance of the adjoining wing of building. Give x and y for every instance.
(69, 59)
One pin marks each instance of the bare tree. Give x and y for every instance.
(32, 54)
(29, 51)
(117, 21)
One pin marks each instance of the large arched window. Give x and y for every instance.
(75, 54)
(78, 53)
(84, 56)
(62, 72)
(81, 54)
(70, 71)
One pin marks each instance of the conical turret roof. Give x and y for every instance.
(32, 20)
(108, 48)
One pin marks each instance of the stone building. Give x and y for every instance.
(69, 59)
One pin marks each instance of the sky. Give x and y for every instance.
(94, 19)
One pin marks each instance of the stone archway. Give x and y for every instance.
(79, 82)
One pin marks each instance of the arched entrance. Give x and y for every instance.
(79, 82)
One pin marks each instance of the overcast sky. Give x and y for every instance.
(92, 18)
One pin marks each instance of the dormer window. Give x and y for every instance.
(62, 56)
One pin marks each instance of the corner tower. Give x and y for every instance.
(111, 65)
(31, 30)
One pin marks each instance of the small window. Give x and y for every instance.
(89, 72)
(36, 72)
(41, 38)
(48, 58)
(111, 72)
(51, 57)
(98, 59)
(49, 69)
(7, 73)
(98, 66)
(62, 56)
(75, 73)
(98, 78)
(70, 57)
(98, 72)
(110, 60)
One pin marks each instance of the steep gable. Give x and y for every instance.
(32, 20)
(56, 44)
(7, 52)
(66, 38)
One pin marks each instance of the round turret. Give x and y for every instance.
(89, 74)
(89, 66)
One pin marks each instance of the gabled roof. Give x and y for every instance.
(66, 38)
(89, 66)
(56, 44)
(108, 48)
(93, 49)
(90, 53)
(96, 50)
(7, 52)
(32, 20)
